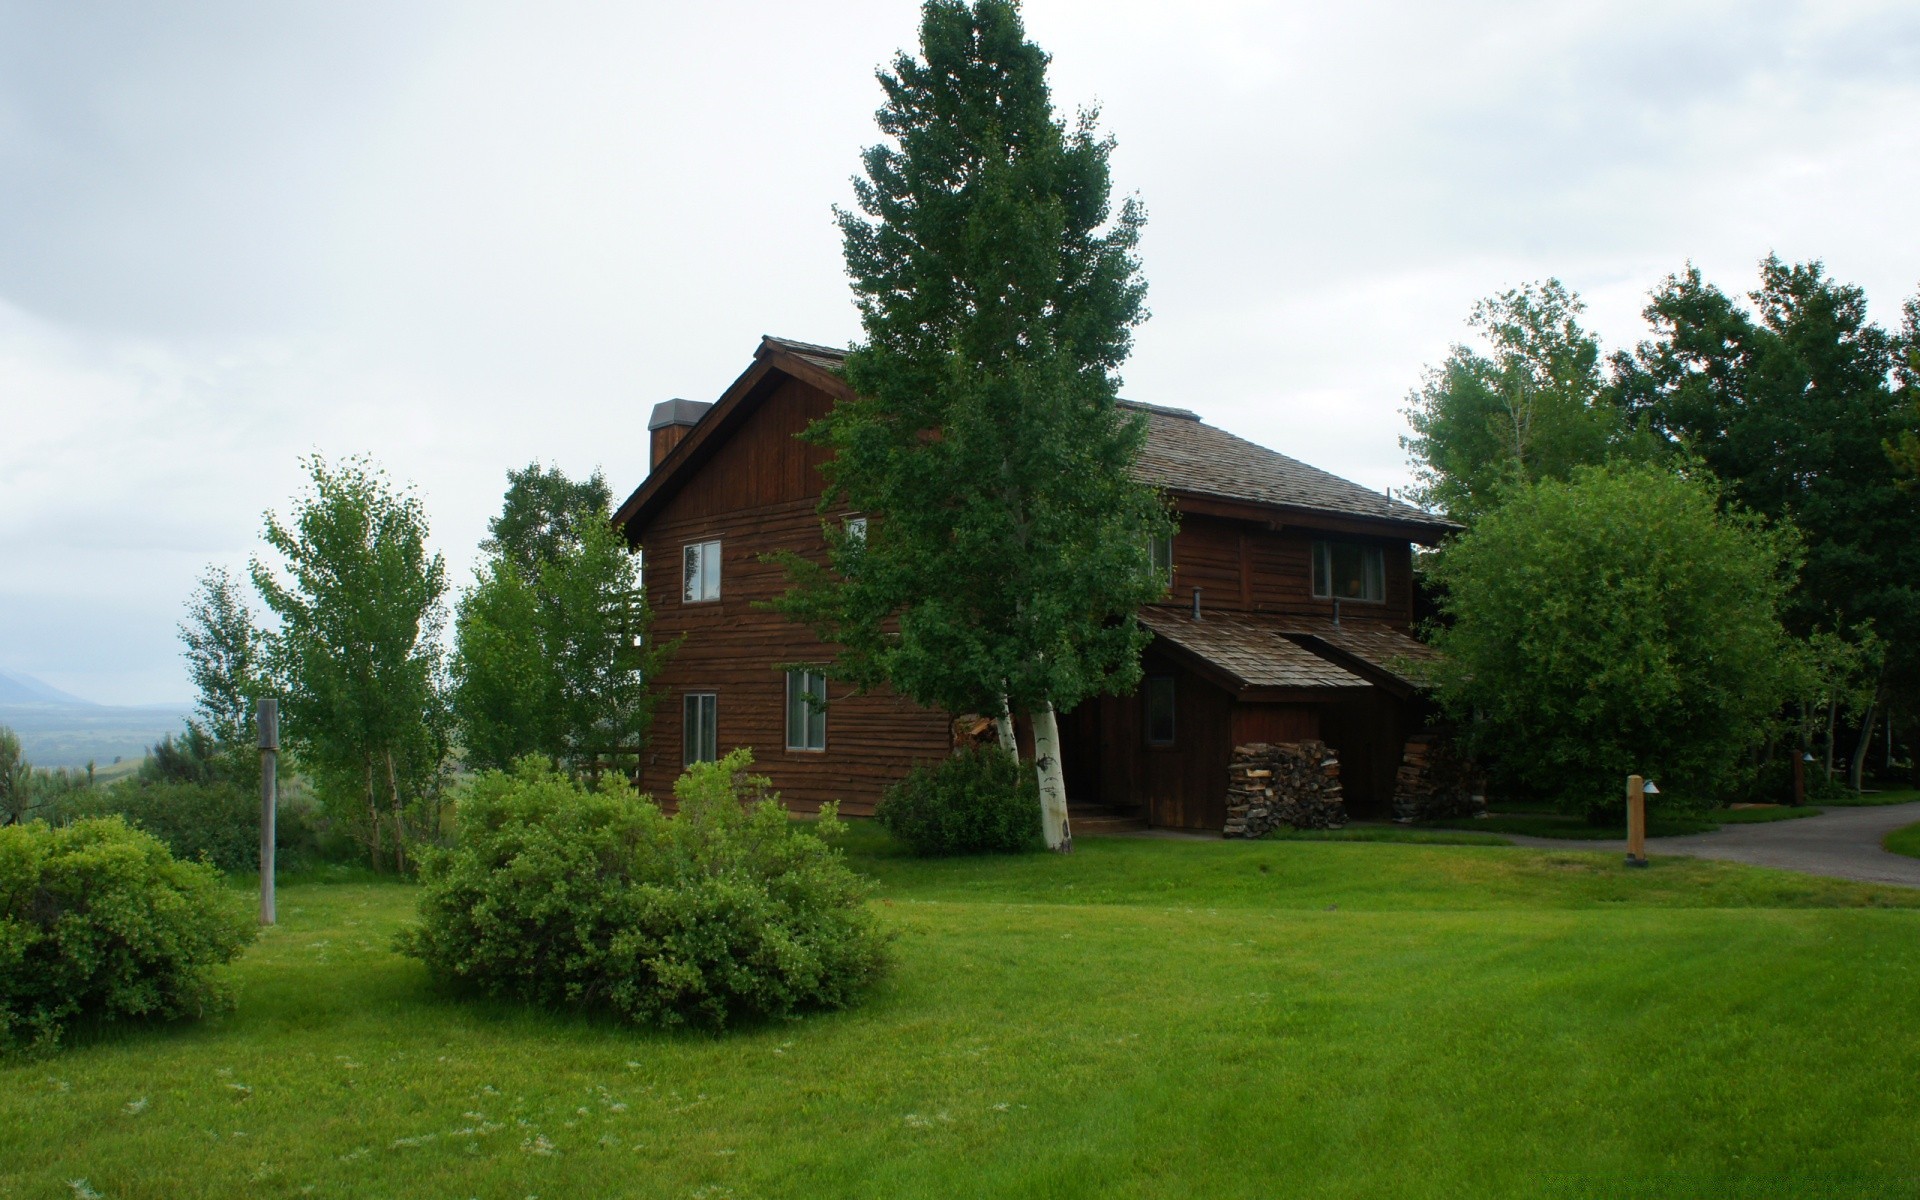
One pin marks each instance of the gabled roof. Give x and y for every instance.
(1246, 653)
(1182, 455)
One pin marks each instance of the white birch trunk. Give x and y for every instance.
(1003, 731)
(1053, 780)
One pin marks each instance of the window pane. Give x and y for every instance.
(817, 712)
(710, 728)
(1343, 571)
(856, 529)
(690, 589)
(1160, 710)
(710, 571)
(698, 741)
(806, 721)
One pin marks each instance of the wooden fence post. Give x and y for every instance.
(1636, 821)
(269, 721)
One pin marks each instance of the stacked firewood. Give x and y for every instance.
(1435, 780)
(1274, 784)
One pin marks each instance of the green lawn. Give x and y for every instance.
(1148, 1018)
(1904, 841)
(1559, 825)
(1889, 796)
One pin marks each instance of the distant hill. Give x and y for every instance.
(59, 729)
(16, 688)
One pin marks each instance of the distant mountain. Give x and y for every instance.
(16, 688)
(59, 729)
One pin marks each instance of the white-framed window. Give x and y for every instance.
(857, 530)
(1347, 571)
(1160, 551)
(699, 733)
(806, 710)
(700, 579)
(1160, 706)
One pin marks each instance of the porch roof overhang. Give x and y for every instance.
(1250, 657)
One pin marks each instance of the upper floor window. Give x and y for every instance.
(699, 732)
(857, 529)
(701, 576)
(1160, 551)
(1345, 571)
(806, 710)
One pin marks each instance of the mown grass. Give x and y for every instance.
(1861, 799)
(1904, 841)
(1579, 829)
(1147, 1018)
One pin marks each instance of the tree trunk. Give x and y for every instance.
(399, 822)
(1053, 780)
(1833, 717)
(373, 818)
(1003, 731)
(1856, 770)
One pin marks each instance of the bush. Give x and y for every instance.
(729, 910)
(1618, 622)
(97, 920)
(980, 801)
(217, 822)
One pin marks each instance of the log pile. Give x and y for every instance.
(1435, 780)
(1295, 784)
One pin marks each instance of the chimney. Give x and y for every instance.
(672, 420)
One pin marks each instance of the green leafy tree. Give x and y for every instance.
(225, 652)
(552, 654)
(1617, 622)
(16, 780)
(544, 515)
(1533, 405)
(1006, 547)
(1792, 405)
(357, 655)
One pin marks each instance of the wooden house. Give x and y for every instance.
(1288, 616)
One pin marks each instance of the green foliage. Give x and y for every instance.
(226, 654)
(357, 655)
(1533, 407)
(211, 821)
(727, 911)
(1616, 623)
(16, 779)
(544, 516)
(1904, 841)
(978, 801)
(552, 655)
(98, 921)
(1791, 406)
(1007, 545)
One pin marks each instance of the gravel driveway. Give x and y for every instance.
(1842, 842)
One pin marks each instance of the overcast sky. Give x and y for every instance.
(466, 236)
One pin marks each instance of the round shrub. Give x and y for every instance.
(727, 910)
(981, 800)
(98, 920)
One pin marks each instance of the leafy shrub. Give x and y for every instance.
(557, 895)
(97, 920)
(980, 801)
(219, 822)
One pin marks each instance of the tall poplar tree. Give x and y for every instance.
(1006, 545)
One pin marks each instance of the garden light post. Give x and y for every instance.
(269, 722)
(1637, 792)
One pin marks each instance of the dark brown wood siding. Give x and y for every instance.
(1247, 566)
(757, 496)
(1107, 760)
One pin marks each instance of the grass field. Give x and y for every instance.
(1571, 828)
(1148, 1018)
(1904, 841)
(1888, 796)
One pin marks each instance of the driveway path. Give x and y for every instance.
(1841, 842)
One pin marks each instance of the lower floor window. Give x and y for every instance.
(699, 741)
(806, 710)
